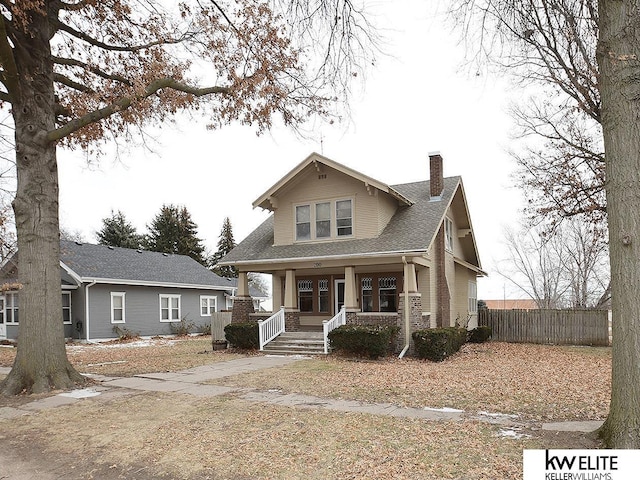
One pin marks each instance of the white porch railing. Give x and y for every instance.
(327, 325)
(271, 327)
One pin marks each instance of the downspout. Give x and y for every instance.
(407, 323)
(86, 306)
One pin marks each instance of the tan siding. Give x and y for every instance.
(450, 272)
(424, 288)
(309, 188)
(460, 304)
(386, 208)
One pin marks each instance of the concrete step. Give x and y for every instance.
(297, 343)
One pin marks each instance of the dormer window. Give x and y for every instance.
(303, 222)
(344, 218)
(324, 220)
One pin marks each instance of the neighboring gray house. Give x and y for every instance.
(105, 287)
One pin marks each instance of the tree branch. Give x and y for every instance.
(7, 61)
(71, 83)
(125, 102)
(91, 68)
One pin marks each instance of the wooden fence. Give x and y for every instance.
(559, 327)
(219, 320)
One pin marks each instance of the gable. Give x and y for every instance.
(322, 185)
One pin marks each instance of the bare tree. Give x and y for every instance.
(562, 59)
(75, 73)
(534, 267)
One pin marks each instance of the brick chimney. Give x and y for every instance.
(436, 178)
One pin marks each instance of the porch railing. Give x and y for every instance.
(271, 327)
(327, 325)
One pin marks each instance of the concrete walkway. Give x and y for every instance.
(191, 381)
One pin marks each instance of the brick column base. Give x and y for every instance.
(416, 320)
(242, 308)
(292, 321)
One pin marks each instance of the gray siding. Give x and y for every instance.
(142, 309)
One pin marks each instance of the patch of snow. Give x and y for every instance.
(444, 410)
(512, 434)
(497, 415)
(82, 393)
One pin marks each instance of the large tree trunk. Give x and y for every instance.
(618, 58)
(41, 363)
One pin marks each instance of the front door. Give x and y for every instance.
(339, 299)
(3, 327)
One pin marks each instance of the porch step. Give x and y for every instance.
(297, 343)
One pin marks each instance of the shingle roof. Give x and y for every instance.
(101, 262)
(411, 229)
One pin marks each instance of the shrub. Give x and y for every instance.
(243, 335)
(371, 341)
(204, 329)
(480, 334)
(182, 328)
(436, 344)
(124, 334)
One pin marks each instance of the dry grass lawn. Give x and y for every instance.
(158, 435)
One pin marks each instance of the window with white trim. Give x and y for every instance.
(66, 308)
(323, 295)
(208, 305)
(303, 222)
(169, 308)
(118, 307)
(344, 218)
(367, 294)
(323, 220)
(473, 297)
(11, 305)
(448, 234)
(315, 221)
(305, 295)
(387, 292)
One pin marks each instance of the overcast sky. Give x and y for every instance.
(418, 99)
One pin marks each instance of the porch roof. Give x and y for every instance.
(411, 229)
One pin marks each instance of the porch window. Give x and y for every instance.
(117, 307)
(169, 308)
(323, 295)
(388, 293)
(367, 294)
(303, 222)
(208, 305)
(11, 308)
(66, 308)
(323, 220)
(448, 234)
(305, 295)
(344, 218)
(473, 297)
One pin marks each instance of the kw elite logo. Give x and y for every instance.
(580, 467)
(581, 464)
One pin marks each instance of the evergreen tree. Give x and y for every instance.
(117, 231)
(173, 231)
(225, 245)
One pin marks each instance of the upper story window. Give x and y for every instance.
(448, 234)
(344, 218)
(303, 222)
(324, 220)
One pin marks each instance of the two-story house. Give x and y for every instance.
(340, 238)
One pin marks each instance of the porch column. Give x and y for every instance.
(350, 295)
(242, 302)
(243, 285)
(410, 283)
(291, 312)
(290, 296)
(276, 292)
